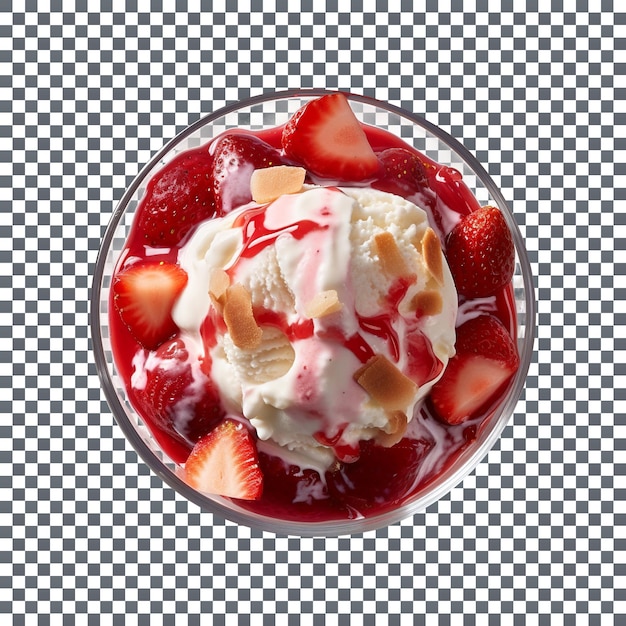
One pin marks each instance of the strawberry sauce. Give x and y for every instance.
(257, 237)
(381, 478)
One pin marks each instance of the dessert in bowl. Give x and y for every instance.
(312, 313)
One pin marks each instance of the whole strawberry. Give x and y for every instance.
(235, 157)
(380, 475)
(177, 395)
(480, 253)
(178, 197)
(403, 172)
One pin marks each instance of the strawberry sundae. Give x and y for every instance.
(314, 320)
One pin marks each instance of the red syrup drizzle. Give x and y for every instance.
(444, 196)
(257, 237)
(382, 325)
(300, 329)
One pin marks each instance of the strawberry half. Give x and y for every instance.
(235, 156)
(179, 396)
(486, 358)
(480, 253)
(328, 140)
(404, 173)
(178, 197)
(144, 295)
(225, 462)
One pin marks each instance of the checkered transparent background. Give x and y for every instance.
(91, 90)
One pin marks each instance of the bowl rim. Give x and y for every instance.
(338, 527)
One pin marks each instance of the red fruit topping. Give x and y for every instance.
(287, 484)
(225, 462)
(178, 396)
(328, 140)
(178, 197)
(381, 475)
(144, 295)
(423, 366)
(404, 173)
(235, 156)
(486, 358)
(480, 253)
(346, 452)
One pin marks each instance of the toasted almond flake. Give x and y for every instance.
(218, 284)
(397, 422)
(433, 256)
(239, 318)
(389, 255)
(395, 430)
(272, 182)
(428, 302)
(386, 384)
(323, 303)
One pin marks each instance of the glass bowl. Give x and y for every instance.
(268, 110)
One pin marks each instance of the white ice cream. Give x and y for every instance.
(297, 388)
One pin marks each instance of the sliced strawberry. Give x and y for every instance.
(404, 173)
(486, 358)
(144, 295)
(235, 156)
(480, 253)
(178, 197)
(225, 462)
(328, 140)
(177, 394)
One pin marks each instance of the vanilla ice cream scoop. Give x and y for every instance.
(327, 315)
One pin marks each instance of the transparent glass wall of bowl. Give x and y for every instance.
(276, 111)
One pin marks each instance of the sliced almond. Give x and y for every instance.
(427, 302)
(239, 318)
(433, 256)
(386, 384)
(272, 182)
(218, 284)
(323, 303)
(389, 255)
(395, 429)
